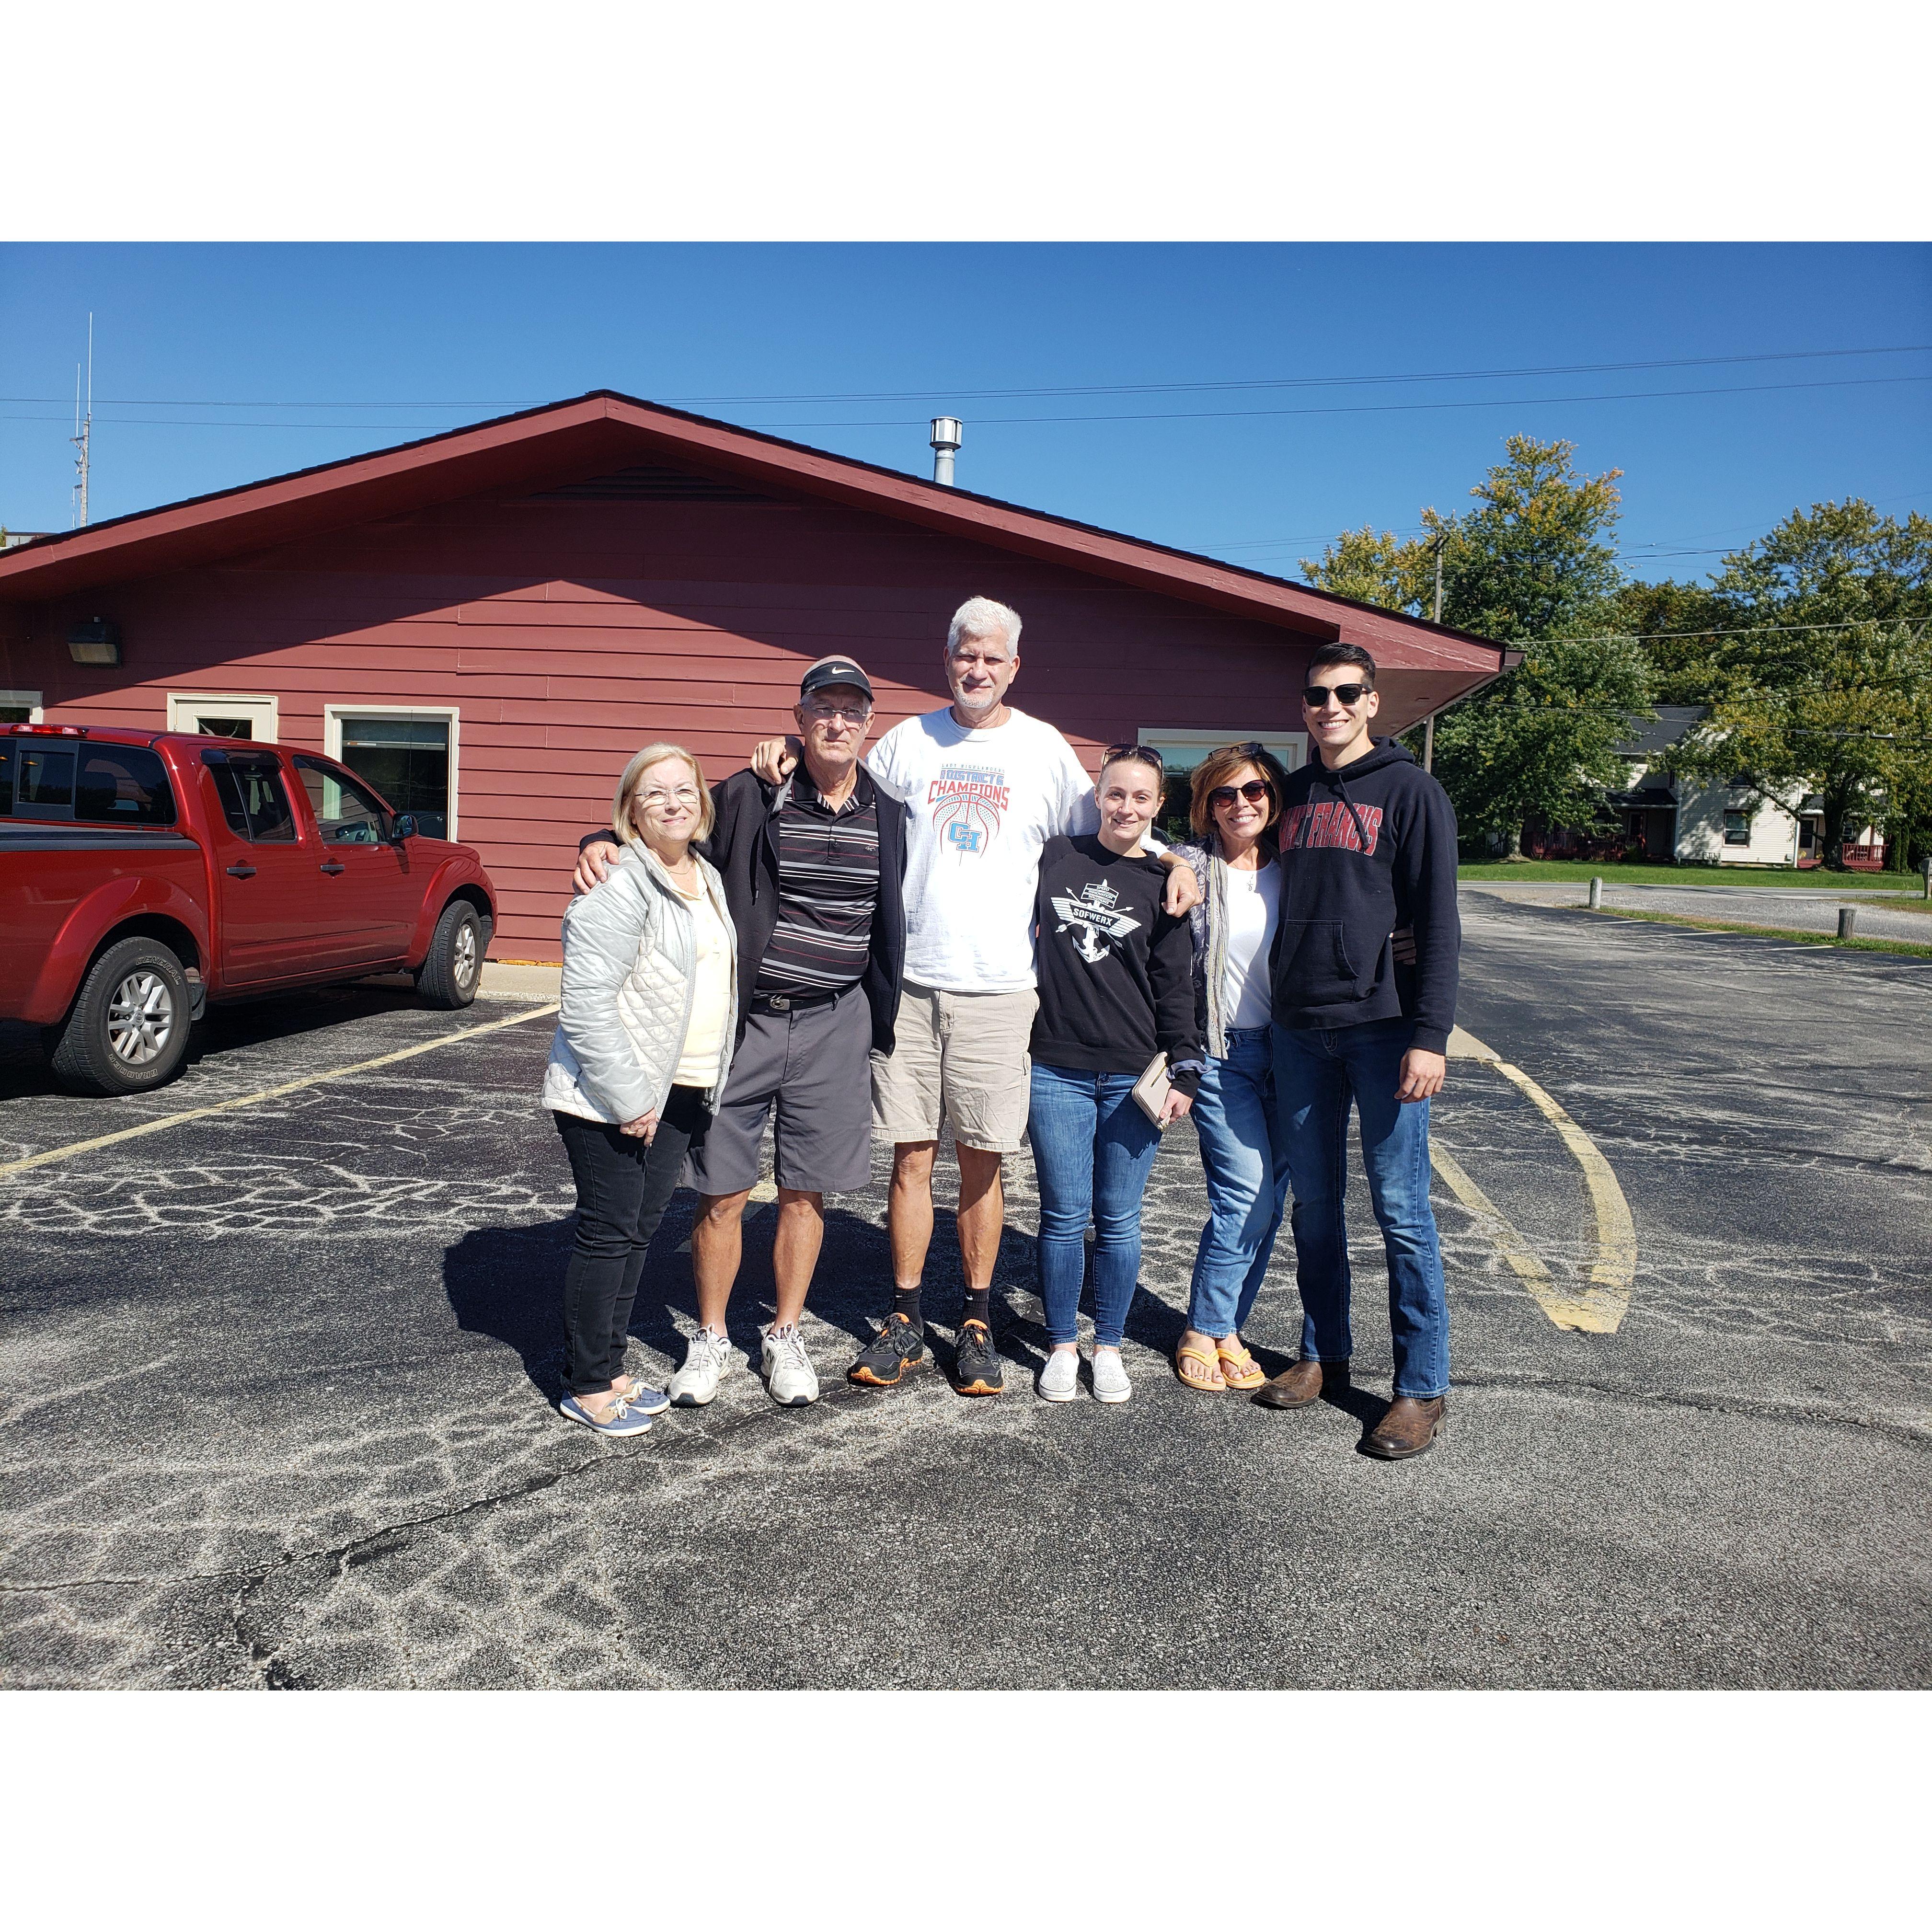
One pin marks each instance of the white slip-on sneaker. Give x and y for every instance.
(1110, 1376)
(787, 1369)
(705, 1363)
(1059, 1380)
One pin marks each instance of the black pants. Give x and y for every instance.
(623, 1187)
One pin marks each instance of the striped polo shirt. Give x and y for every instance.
(828, 889)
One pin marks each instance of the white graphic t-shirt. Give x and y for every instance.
(980, 806)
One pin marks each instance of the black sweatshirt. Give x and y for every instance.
(1365, 849)
(1116, 973)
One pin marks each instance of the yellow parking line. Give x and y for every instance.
(267, 1092)
(1599, 1308)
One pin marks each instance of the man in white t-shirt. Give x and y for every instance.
(985, 786)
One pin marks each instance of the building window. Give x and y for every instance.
(1180, 752)
(1737, 828)
(19, 707)
(409, 754)
(224, 715)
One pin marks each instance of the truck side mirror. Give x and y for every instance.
(403, 826)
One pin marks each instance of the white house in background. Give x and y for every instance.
(1717, 824)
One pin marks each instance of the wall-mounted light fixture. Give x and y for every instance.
(95, 640)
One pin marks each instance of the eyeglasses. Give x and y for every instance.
(1316, 695)
(661, 801)
(1146, 753)
(856, 714)
(1254, 791)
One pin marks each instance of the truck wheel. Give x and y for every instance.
(129, 1026)
(448, 977)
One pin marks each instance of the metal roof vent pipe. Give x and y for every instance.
(948, 433)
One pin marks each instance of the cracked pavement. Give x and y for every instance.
(278, 1384)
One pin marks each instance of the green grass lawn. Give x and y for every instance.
(1581, 872)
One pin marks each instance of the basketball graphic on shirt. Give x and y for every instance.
(968, 803)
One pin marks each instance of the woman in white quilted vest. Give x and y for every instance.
(643, 1045)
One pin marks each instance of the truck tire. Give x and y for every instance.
(448, 977)
(129, 1026)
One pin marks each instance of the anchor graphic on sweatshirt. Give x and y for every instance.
(1092, 917)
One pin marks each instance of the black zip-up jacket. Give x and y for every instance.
(744, 846)
(1364, 850)
(1116, 973)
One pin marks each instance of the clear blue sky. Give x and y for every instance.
(196, 346)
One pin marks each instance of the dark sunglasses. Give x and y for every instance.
(1146, 754)
(1316, 695)
(1254, 791)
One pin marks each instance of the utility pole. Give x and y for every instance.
(1428, 723)
(83, 431)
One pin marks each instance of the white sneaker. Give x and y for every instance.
(1059, 1380)
(1110, 1376)
(787, 1369)
(705, 1363)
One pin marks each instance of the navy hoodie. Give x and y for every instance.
(1364, 850)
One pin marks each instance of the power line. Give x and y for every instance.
(1156, 415)
(1084, 389)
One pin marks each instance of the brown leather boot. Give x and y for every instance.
(1409, 1428)
(1301, 1383)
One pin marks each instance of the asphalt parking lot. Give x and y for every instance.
(279, 1380)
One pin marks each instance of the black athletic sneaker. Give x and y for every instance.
(896, 1347)
(976, 1367)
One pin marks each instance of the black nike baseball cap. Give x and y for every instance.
(833, 670)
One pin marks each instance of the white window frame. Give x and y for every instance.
(333, 716)
(1295, 743)
(31, 699)
(182, 705)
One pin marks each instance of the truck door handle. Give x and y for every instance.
(334, 865)
(241, 872)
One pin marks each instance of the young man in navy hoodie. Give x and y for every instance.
(1368, 845)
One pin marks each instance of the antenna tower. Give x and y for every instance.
(83, 431)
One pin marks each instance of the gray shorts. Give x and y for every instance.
(812, 1064)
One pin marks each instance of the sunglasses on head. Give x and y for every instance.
(1146, 753)
(1316, 695)
(1254, 791)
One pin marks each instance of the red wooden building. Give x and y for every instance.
(488, 623)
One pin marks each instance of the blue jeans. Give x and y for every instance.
(1093, 1150)
(1244, 1157)
(1317, 1074)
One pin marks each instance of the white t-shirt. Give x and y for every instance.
(1254, 905)
(980, 806)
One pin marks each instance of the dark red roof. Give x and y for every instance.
(593, 434)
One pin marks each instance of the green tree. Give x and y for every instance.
(1534, 564)
(1677, 626)
(1821, 680)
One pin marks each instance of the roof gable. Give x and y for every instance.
(605, 444)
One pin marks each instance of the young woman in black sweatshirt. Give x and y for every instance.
(1116, 983)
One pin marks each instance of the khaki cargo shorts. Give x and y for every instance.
(961, 1057)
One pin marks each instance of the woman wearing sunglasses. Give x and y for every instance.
(1237, 799)
(1115, 989)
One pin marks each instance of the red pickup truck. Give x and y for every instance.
(143, 874)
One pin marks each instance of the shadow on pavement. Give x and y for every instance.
(507, 1283)
(227, 1028)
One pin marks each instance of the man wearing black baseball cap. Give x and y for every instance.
(813, 867)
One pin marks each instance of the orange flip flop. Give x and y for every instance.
(1207, 1377)
(1239, 1370)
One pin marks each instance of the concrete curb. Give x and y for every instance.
(504, 980)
